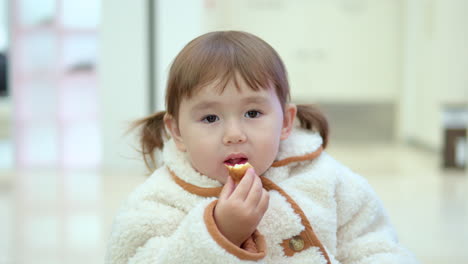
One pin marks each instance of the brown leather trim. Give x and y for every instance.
(309, 156)
(258, 247)
(201, 191)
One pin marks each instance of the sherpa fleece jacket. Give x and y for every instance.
(319, 212)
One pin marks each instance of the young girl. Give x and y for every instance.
(227, 103)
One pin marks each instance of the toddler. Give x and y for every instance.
(227, 102)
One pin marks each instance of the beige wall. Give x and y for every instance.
(435, 67)
(123, 79)
(177, 22)
(335, 51)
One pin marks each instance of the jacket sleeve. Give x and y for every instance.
(149, 232)
(364, 233)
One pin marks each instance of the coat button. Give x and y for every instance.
(296, 243)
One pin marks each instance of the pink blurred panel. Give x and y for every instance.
(79, 52)
(81, 144)
(72, 14)
(32, 12)
(78, 98)
(38, 99)
(54, 50)
(37, 144)
(37, 52)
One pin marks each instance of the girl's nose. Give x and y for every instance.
(234, 135)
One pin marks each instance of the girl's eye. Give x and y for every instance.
(210, 119)
(252, 114)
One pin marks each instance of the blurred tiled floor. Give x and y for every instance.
(62, 216)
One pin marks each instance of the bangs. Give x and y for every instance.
(222, 63)
(221, 57)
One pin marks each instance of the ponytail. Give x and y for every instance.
(152, 136)
(311, 118)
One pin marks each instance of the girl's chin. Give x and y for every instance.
(223, 179)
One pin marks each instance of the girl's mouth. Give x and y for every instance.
(234, 161)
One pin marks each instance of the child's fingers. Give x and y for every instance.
(253, 197)
(264, 201)
(227, 189)
(244, 185)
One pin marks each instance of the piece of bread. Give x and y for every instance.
(238, 171)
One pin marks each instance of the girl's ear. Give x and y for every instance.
(290, 111)
(172, 126)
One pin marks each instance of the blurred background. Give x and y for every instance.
(391, 76)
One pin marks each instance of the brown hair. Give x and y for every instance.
(221, 56)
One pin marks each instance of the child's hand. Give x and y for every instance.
(240, 209)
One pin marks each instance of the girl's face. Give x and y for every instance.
(232, 127)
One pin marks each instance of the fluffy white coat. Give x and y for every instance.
(162, 223)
